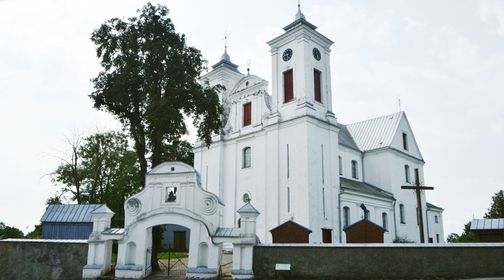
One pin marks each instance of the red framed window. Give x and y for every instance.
(247, 114)
(288, 86)
(317, 89)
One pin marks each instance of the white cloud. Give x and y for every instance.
(492, 13)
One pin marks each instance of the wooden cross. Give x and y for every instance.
(417, 189)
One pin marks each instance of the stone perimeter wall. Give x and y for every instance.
(381, 261)
(42, 259)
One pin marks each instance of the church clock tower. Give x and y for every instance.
(302, 132)
(301, 82)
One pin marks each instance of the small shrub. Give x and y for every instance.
(402, 239)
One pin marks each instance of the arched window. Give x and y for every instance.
(246, 161)
(246, 197)
(384, 221)
(407, 173)
(355, 169)
(401, 214)
(346, 216)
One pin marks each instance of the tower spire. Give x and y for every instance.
(225, 59)
(299, 14)
(225, 55)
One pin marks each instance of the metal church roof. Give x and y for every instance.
(487, 224)
(69, 213)
(346, 139)
(227, 232)
(364, 188)
(375, 133)
(432, 206)
(247, 208)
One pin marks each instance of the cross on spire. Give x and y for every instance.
(226, 35)
(418, 189)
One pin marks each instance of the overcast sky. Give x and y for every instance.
(443, 59)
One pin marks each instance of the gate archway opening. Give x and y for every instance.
(173, 253)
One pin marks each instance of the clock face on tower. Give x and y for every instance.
(286, 56)
(316, 54)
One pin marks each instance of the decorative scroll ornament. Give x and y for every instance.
(209, 205)
(134, 206)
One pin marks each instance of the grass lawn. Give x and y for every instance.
(172, 255)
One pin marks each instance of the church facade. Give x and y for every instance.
(287, 152)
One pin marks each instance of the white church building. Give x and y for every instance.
(288, 154)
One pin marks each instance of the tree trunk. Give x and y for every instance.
(139, 138)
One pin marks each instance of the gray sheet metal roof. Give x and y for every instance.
(23, 240)
(247, 208)
(227, 232)
(375, 133)
(432, 206)
(346, 139)
(364, 188)
(114, 231)
(69, 213)
(487, 224)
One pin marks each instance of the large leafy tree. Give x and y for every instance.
(150, 83)
(496, 210)
(102, 169)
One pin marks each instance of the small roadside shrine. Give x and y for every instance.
(488, 230)
(172, 195)
(290, 232)
(364, 231)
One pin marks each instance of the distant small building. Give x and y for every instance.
(364, 231)
(435, 233)
(290, 232)
(68, 221)
(488, 230)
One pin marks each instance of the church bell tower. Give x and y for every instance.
(301, 80)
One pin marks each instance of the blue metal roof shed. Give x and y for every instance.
(68, 221)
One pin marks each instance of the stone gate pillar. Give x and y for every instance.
(243, 249)
(99, 249)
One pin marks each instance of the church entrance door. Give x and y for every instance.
(179, 241)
